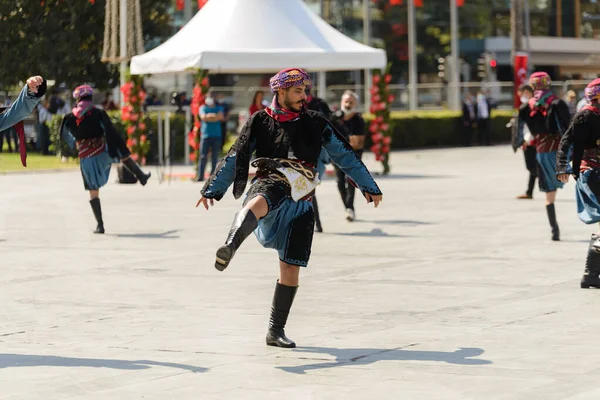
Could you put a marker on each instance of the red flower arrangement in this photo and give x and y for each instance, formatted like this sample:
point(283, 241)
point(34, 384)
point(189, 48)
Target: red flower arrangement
point(199, 95)
point(132, 115)
point(381, 127)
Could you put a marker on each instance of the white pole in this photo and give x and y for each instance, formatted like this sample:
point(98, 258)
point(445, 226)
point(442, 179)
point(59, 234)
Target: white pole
point(188, 128)
point(455, 77)
point(367, 40)
point(123, 42)
point(161, 152)
point(322, 85)
point(168, 140)
point(412, 57)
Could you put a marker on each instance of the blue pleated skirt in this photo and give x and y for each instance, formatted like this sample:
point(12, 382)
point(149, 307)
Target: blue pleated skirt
point(96, 170)
point(588, 207)
point(288, 227)
point(548, 182)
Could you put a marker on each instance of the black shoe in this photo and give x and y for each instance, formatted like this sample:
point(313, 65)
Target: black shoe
point(97, 209)
point(244, 224)
point(553, 224)
point(136, 171)
point(591, 273)
point(280, 309)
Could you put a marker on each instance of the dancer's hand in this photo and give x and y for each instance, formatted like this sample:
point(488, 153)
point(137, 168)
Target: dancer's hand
point(34, 82)
point(204, 201)
point(564, 178)
point(374, 198)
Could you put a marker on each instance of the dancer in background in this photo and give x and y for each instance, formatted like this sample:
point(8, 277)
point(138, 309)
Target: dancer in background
point(13, 116)
point(548, 118)
point(89, 131)
point(583, 138)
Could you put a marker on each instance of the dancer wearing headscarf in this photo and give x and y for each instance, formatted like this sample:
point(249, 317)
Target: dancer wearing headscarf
point(13, 116)
point(287, 139)
point(89, 131)
point(581, 145)
point(547, 118)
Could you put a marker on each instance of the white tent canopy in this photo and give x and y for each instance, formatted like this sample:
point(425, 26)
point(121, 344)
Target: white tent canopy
point(257, 36)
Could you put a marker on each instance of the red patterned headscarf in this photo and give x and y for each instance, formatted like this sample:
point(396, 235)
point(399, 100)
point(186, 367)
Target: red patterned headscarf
point(82, 91)
point(289, 78)
point(542, 96)
point(592, 91)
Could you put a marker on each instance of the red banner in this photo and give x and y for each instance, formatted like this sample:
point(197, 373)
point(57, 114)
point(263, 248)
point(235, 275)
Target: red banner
point(520, 73)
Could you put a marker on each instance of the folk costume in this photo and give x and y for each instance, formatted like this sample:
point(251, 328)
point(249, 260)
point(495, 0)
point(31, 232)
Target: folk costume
point(581, 145)
point(89, 131)
point(548, 118)
point(13, 116)
point(287, 146)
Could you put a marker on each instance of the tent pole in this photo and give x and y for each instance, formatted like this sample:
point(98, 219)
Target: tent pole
point(322, 80)
point(123, 43)
point(412, 57)
point(367, 40)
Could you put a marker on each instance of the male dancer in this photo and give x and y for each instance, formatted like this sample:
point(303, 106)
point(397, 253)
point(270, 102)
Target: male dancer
point(547, 117)
point(583, 137)
point(23, 106)
point(88, 129)
point(287, 140)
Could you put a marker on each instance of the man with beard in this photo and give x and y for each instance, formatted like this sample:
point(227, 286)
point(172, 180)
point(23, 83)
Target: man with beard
point(352, 125)
point(287, 140)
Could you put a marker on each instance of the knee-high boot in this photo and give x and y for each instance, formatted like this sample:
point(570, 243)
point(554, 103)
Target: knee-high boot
point(591, 275)
point(95, 203)
point(135, 170)
point(244, 224)
point(318, 226)
point(552, 219)
point(280, 309)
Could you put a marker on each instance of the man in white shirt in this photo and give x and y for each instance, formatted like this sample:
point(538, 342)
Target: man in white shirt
point(483, 113)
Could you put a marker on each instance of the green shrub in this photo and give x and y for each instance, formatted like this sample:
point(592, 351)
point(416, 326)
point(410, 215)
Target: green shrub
point(417, 129)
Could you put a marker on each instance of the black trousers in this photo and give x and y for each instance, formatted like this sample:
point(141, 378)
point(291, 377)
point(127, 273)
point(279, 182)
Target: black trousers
point(531, 164)
point(484, 132)
point(345, 188)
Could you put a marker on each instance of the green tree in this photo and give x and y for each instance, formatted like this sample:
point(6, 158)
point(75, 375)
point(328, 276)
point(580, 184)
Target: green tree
point(62, 39)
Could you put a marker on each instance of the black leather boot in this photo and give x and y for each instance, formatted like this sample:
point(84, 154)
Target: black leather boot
point(552, 219)
point(591, 274)
point(280, 309)
point(244, 224)
point(135, 170)
point(318, 227)
point(95, 203)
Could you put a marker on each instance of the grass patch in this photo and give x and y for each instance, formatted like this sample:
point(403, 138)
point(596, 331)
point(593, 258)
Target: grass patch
point(11, 162)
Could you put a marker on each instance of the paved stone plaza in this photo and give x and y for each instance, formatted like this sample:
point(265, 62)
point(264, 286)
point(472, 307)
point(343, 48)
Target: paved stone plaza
point(451, 289)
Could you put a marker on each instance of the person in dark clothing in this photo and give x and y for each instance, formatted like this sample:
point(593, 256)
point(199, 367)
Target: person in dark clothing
point(317, 104)
point(468, 119)
point(583, 140)
point(89, 131)
point(287, 140)
point(548, 118)
point(525, 92)
point(352, 125)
